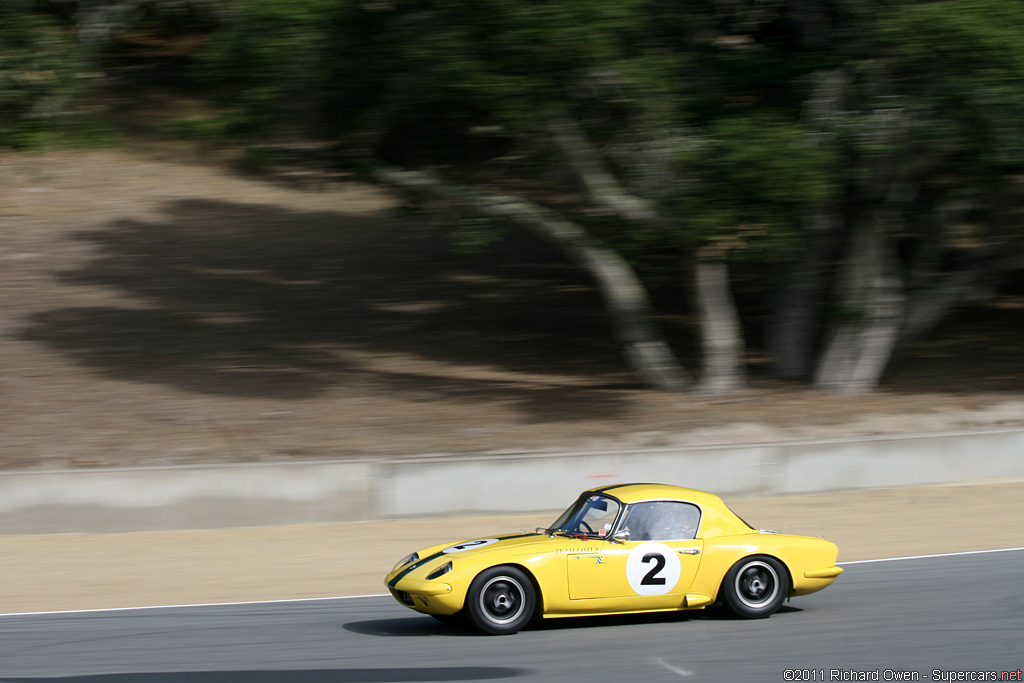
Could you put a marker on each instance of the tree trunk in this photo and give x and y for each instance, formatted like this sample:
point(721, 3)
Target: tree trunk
point(721, 336)
point(625, 297)
point(930, 306)
point(794, 328)
point(927, 308)
point(97, 20)
point(866, 335)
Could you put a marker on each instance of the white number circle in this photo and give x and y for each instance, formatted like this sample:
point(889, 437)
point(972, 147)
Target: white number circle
point(652, 569)
point(470, 545)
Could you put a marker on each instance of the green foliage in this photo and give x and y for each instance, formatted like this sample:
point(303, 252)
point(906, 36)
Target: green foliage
point(421, 73)
point(395, 69)
point(256, 161)
point(758, 173)
point(711, 109)
point(962, 63)
point(267, 59)
point(469, 234)
point(210, 131)
point(43, 75)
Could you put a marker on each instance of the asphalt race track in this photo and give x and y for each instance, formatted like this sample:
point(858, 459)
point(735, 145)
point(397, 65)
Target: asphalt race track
point(961, 613)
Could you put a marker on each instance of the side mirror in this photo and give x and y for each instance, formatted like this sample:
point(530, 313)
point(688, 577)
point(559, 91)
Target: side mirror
point(620, 536)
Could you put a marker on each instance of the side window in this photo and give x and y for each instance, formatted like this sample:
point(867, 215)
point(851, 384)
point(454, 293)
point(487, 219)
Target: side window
point(662, 521)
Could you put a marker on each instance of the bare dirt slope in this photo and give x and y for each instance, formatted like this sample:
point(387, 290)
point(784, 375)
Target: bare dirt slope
point(160, 311)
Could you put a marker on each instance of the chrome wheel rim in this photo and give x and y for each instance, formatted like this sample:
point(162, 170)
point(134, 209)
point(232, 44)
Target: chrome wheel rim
point(757, 584)
point(502, 599)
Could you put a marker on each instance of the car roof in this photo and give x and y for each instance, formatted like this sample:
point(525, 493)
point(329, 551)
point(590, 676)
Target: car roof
point(634, 493)
point(716, 517)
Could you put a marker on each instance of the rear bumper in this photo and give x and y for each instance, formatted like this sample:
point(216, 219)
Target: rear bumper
point(813, 580)
point(827, 573)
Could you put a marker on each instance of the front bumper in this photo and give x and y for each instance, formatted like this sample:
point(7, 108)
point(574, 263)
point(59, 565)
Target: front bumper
point(429, 597)
point(428, 588)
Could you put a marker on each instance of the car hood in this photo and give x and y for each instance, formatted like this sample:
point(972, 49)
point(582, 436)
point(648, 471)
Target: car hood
point(484, 544)
point(524, 542)
point(508, 542)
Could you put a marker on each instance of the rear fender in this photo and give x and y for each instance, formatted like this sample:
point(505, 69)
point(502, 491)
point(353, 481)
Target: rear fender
point(798, 554)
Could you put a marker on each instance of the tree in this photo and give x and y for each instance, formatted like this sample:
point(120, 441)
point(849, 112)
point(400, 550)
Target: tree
point(927, 109)
point(856, 157)
point(43, 74)
point(602, 89)
point(97, 22)
point(455, 67)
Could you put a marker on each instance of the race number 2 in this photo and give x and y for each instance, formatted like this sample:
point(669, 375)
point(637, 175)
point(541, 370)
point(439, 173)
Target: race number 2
point(652, 569)
point(469, 545)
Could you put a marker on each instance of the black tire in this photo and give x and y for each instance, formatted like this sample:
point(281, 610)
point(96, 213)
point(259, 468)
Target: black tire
point(755, 587)
point(500, 600)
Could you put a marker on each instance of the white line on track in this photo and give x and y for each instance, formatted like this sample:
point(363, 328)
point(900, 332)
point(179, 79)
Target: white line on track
point(682, 673)
point(925, 557)
point(384, 595)
point(198, 604)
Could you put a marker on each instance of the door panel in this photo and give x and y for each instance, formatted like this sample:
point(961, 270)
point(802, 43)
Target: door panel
point(634, 569)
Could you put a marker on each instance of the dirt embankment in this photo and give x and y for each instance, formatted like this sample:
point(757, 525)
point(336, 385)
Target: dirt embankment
point(161, 311)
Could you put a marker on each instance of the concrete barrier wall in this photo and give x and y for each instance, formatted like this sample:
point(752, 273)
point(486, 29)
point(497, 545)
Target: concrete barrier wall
point(216, 496)
point(202, 497)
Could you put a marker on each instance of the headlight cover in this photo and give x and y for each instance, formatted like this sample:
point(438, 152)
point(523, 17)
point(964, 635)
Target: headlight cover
point(411, 557)
point(440, 571)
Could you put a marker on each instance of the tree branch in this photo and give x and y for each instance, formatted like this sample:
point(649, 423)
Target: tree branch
point(926, 309)
point(602, 188)
point(625, 296)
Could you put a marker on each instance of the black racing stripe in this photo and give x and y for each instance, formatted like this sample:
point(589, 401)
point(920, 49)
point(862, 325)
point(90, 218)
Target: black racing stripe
point(412, 567)
point(511, 536)
point(625, 485)
point(622, 486)
point(419, 563)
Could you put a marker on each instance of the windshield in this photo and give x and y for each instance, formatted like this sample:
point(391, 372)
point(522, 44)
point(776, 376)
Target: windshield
point(593, 515)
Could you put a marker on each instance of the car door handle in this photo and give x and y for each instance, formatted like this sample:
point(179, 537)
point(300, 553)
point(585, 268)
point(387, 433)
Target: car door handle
point(689, 551)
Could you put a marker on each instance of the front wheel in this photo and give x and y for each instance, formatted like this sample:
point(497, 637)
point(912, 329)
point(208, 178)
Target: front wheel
point(755, 587)
point(500, 600)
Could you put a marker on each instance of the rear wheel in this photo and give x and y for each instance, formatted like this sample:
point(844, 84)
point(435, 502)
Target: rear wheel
point(500, 600)
point(755, 587)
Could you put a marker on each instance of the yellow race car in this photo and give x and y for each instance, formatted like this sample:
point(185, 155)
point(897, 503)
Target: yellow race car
point(617, 549)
